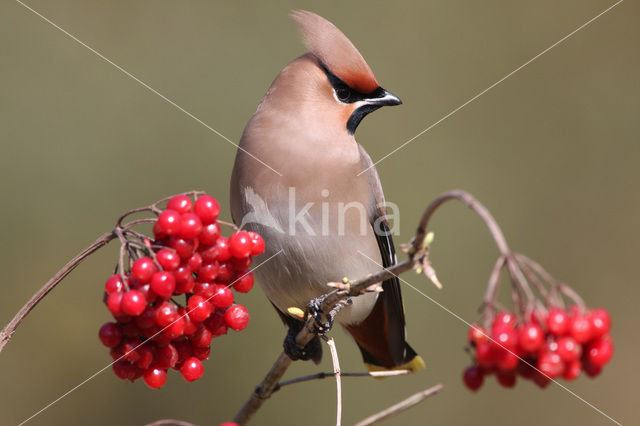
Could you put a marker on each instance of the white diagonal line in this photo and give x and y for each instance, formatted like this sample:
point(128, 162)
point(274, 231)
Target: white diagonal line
point(146, 86)
point(493, 85)
point(109, 365)
point(497, 343)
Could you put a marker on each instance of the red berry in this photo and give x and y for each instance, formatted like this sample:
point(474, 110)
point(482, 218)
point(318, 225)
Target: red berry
point(572, 370)
point(257, 243)
point(476, 335)
point(222, 296)
point(207, 209)
point(184, 248)
point(202, 353)
point(145, 319)
point(110, 334)
point(209, 253)
point(580, 328)
point(175, 329)
point(130, 330)
point(146, 356)
point(166, 313)
point(184, 348)
point(166, 356)
point(195, 261)
point(210, 233)
point(190, 226)
point(169, 222)
point(168, 259)
point(155, 377)
point(240, 244)
point(190, 326)
point(558, 322)
point(530, 337)
point(241, 263)
point(180, 203)
point(504, 318)
point(208, 272)
point(223, 249)
point(184, 279)
point(130, 349)
point(551, 364)
point(114, 284)
point(114, 303)
point(133, 303)
point(163, 283)
point(506, 361)
point(123, 369)
point(568, 349)
point(226, 272)
point(473, 377)
point(504, 339)
point(541, 380)
point(199, 308)
point(145, 290)
point(142, 269)
point(201, 338)
point(600, 322)
point(216, 324)
point(192, 369)
point(245, 283)
point(205, 290)
point(484, 354)
point(506, 378)
point(525, 369)
point(599, 352)
point(158, 234)
point(237, 317)
point(592, 370)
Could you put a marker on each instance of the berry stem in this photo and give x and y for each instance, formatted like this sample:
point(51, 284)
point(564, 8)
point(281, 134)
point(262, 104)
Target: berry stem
point(9, 329)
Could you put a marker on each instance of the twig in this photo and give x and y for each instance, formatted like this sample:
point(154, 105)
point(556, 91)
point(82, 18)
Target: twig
point(324, 375)
point(171, 422)
point(9, 329)
point(400, 406)
point(336, 372)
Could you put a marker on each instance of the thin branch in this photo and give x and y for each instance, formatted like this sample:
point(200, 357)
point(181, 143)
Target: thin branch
point(170, 422)
point(324, 375)
point(400, 406)
point(336, 372)
point(9, 329)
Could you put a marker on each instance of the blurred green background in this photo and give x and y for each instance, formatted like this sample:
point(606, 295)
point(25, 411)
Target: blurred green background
point(553, 152)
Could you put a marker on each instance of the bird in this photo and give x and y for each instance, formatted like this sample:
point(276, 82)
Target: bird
point(297, 181)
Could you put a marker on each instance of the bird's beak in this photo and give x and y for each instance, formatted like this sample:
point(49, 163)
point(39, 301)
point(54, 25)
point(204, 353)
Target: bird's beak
point(385, 98)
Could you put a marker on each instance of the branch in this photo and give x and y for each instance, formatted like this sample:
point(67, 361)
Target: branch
point(418, 258)
point(171, 422)
point(324, 375)
point(400, 406)
point(336, 372)
point(9, 329)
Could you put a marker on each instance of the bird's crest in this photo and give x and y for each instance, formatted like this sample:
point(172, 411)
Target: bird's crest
point(327, 43)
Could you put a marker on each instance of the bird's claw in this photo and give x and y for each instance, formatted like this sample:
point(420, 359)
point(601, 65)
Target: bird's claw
point(313, 349)
point(315, 311)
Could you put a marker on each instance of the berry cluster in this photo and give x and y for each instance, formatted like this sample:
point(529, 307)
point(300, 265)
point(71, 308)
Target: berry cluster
point(557, 342)
point(189, 259)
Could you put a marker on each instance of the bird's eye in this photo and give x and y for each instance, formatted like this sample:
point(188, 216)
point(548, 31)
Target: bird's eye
point(343, 93)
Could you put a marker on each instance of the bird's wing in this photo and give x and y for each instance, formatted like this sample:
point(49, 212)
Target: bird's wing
point(391, 296)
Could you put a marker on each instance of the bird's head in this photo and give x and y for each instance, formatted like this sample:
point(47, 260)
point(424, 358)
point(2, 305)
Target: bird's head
point(338, 81)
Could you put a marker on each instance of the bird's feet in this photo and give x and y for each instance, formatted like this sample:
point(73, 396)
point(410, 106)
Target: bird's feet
point(315, 311)
point(313, 349)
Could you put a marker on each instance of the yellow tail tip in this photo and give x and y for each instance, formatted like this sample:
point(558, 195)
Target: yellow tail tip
point(415, 365)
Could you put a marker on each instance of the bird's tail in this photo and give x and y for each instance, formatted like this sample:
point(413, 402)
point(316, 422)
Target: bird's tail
point(383, 345)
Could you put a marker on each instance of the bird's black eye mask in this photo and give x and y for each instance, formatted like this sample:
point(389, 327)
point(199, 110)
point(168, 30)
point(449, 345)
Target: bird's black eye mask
point(348, 95)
